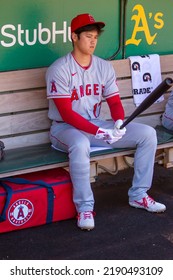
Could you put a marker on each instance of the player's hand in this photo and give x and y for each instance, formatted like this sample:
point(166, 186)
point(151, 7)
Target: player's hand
point(107, 135)
point(117, 131)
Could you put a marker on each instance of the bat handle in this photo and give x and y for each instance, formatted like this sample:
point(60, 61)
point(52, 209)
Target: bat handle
point(123, 125)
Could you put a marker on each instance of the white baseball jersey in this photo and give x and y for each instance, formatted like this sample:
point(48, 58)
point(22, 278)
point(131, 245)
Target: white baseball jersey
point(86, 87)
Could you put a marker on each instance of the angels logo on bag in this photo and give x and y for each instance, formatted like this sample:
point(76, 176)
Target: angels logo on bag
point(20, 212)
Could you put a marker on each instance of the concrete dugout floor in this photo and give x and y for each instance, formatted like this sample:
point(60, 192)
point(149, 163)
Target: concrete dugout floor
point(121, 233)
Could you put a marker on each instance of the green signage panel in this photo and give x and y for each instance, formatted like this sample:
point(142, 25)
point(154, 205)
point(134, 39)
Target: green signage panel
point(34, 33)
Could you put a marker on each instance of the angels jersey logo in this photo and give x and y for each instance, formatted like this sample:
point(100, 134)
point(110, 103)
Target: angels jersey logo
point(20, 212)
point(53, 87)
point(97, 108)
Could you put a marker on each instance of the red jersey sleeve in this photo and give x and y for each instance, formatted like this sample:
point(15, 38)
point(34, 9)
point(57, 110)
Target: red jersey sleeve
point(116, 108)
point(71, 117)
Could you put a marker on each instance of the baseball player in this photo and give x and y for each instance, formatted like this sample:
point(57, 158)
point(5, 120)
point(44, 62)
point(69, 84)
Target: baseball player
point(167, 117)
point(76, 85)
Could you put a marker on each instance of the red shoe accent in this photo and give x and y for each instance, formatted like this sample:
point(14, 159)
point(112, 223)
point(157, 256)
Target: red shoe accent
point(144, 202)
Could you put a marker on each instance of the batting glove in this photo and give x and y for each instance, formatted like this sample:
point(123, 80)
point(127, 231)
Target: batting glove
point(107, 135)
point(117, 131)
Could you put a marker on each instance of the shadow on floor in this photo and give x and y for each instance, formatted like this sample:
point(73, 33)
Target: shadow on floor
point(121, 232)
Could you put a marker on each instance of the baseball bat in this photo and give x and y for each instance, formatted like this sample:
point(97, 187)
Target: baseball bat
point(150, 99)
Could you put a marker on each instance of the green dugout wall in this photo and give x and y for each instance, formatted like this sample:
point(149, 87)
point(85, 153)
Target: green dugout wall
point(33, 33)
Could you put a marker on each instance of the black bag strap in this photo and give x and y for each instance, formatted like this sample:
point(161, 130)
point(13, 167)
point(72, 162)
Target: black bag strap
point(23, 181)
point(9, 193)
point(2, 147)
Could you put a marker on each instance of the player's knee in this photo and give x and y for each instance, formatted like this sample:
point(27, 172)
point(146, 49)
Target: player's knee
point(80, 150)
point(150, 135)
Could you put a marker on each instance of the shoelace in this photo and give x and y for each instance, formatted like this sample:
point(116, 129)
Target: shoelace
point(86, 215)
point(151, 200)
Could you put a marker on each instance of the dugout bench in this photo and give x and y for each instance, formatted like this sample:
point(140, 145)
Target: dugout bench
point(24, 125)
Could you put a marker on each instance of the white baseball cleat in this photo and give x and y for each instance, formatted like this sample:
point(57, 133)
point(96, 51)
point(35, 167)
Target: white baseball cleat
point(86, 220)
point(148, 204)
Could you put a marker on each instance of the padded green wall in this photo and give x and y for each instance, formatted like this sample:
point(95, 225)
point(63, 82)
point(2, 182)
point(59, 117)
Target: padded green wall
point(34, 33)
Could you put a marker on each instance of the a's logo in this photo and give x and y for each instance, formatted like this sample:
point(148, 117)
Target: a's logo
point(136, 66)
point(20, 212)
point(147, 77)
point(141, 25)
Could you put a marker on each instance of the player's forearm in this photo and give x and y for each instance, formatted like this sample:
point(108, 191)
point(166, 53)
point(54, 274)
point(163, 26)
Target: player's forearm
point(80, 123)
point(116, 108)
point(71, 117)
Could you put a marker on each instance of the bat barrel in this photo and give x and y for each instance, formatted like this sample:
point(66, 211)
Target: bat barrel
point(150, 99)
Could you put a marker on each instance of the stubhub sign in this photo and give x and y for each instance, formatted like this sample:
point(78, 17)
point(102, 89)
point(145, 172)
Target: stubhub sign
point(12, 35)
point(35, 33)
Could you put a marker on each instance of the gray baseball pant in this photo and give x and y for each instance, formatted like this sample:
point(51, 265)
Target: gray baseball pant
point(77, 144)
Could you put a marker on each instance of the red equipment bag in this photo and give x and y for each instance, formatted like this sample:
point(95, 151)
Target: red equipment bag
point(35, 199)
